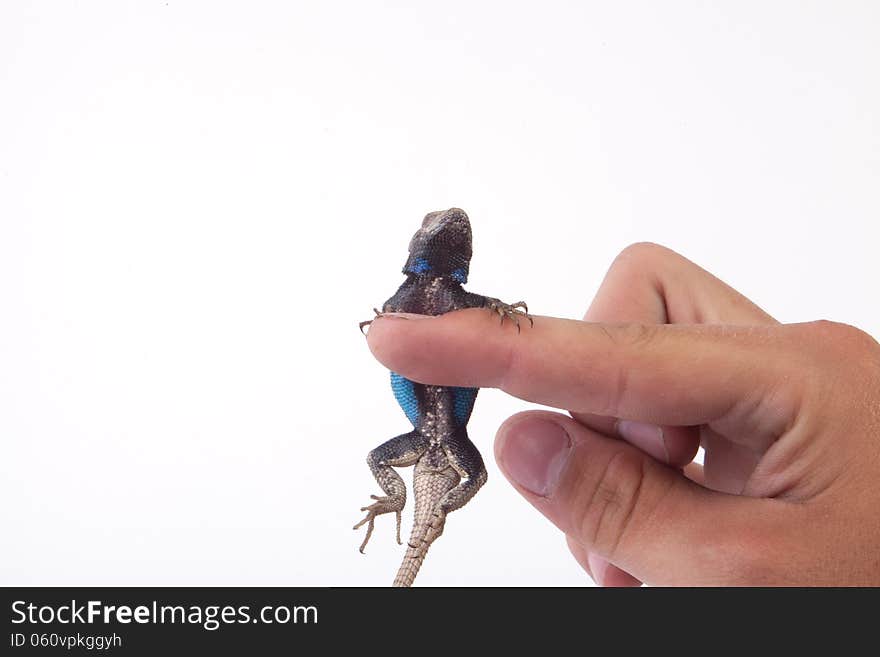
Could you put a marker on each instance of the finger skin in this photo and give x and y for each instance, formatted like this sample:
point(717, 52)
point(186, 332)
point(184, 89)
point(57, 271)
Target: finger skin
point(679, 444)
point(580, 555)
point(602, 572)
point(667, 374)
point(609, 575)
point(650, 283)
point(649, 520)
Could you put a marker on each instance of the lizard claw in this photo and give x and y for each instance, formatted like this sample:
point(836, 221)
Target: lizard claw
point(361, 325)
point(387, 504)
point(512, 311)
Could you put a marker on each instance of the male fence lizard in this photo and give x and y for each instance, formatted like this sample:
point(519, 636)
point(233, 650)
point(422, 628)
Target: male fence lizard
point(448, 468)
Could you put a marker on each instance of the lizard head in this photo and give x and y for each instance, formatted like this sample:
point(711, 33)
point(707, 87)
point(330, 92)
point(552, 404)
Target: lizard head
point(442, 246)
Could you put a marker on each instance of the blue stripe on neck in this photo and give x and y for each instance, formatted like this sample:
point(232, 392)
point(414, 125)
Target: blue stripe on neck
point(420, 266)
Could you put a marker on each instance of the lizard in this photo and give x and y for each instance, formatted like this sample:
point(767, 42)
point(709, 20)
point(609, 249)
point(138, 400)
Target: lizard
point(449, 469)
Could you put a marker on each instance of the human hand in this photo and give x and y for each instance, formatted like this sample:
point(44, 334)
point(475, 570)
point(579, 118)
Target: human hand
point(669, 358)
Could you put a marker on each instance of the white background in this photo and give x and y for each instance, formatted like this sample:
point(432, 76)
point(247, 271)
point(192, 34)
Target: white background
point(199, 201)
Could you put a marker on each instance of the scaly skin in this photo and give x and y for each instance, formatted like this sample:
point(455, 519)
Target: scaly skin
point(448, 468)
point(433, 478)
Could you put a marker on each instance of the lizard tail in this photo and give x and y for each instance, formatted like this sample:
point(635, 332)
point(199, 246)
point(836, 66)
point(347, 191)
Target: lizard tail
point(412, 561)
point(429, 486)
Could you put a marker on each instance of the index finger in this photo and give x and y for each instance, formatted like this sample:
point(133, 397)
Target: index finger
point(664, 374)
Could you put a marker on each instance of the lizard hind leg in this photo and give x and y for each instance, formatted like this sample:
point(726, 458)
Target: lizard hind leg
point(433, 478)
point(465, 458)
point(445, 479)
point(402, 451)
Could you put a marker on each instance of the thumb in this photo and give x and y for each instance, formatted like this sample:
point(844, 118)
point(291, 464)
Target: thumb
point(638, 514)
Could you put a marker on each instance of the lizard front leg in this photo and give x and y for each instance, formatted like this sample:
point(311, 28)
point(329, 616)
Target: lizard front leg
point(367, 322)
point(511, 311)
point(402, 451)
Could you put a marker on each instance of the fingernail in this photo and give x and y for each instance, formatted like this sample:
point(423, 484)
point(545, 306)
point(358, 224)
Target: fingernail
point(647, 437)
point(533, 453)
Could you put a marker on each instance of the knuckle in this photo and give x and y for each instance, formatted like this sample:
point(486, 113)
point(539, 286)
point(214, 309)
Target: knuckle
point(856, 339)
point(827, 332)
point(641, 252)
point(634, 260)
point(838, 345)
point(639, 259)
point(611, 506)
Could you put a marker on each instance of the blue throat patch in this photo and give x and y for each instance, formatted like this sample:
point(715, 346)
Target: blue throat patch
point(420, 266)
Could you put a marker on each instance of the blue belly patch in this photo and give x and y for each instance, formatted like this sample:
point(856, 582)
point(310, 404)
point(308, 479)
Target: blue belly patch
point(405, 394)
point(463, 403)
